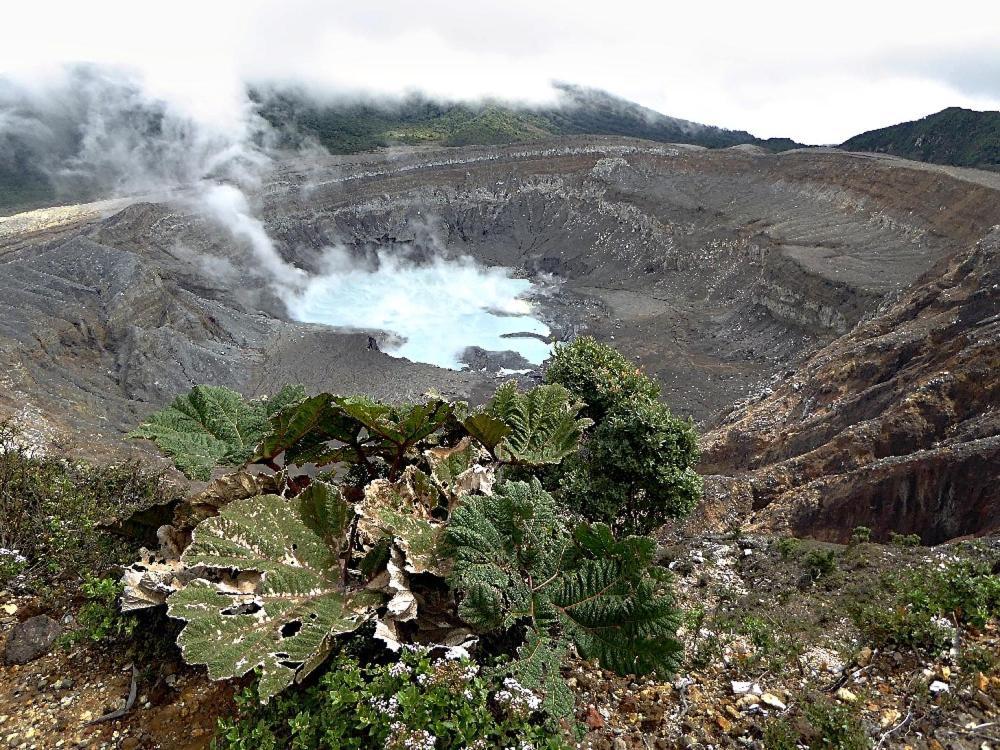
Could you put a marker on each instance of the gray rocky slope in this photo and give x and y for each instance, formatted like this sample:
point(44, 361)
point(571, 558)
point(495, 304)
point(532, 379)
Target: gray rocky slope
point(716, 270)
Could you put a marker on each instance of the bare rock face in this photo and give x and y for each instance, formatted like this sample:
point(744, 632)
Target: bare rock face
point(31, 639)
point(894, 426)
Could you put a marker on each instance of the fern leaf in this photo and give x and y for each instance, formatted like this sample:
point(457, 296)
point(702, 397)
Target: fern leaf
point(538, 668)
point(542, 424)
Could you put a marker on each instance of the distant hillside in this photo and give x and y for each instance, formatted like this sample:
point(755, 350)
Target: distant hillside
point(353, 126)
point(961, 137)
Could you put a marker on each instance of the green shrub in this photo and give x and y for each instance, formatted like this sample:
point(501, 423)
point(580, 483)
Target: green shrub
point(425, 534)
point(788, 546)
point(925, 602)
point(416, 702)
point(904, 540)
point(821, 724)
point(100, 618)
point(636, 468)
point(820, 563)
point(51, 510)
point(599, 375)
point(861, 535)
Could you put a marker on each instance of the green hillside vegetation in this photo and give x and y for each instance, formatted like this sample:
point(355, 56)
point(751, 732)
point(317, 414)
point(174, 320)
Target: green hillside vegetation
point(345, 127)
point(956, 136)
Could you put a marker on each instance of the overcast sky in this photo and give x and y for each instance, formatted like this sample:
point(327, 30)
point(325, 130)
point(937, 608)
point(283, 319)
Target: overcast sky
point(816, 72)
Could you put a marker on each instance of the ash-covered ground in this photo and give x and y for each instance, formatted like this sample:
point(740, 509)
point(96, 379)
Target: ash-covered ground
point(716, 270)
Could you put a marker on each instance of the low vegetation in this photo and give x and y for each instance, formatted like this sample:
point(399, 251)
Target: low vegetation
point(925, 605)
point(53, 509)
point(431, 521)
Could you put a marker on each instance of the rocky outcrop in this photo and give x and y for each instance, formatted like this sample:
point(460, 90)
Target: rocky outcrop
point(894, 426)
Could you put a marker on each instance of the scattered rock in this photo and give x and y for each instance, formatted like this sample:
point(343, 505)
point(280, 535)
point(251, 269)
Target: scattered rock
point(845, 695)
point(31, 639)
point(769, 699)
point(937, 687)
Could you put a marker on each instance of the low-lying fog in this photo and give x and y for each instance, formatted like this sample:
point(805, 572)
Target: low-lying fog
point(435, 309)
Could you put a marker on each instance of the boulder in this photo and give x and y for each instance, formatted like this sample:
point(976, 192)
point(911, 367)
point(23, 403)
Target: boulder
point(31, 639)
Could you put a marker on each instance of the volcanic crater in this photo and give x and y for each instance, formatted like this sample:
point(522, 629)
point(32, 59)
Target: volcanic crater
point(727, 274)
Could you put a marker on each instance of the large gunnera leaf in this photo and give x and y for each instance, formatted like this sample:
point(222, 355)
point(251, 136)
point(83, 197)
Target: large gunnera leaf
point(542, 424)
point(213, 426)
point(299, 602)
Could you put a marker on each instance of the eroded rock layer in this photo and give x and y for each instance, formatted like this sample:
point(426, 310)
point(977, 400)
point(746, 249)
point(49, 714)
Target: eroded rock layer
point(894, 426)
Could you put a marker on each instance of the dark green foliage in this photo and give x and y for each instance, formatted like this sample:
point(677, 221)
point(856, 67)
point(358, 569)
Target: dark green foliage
point(316, 556)
point(353, 126)
point(52, 509)
point(515, 562)
point(904, 540)
point(598, 375)
point(861, 535)
point(100, 619)
point(962, 137)
point(361, 707)
point(820, 563)
point(636, 468)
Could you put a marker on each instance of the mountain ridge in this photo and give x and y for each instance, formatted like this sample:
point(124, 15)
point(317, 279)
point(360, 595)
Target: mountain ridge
point(954, 136)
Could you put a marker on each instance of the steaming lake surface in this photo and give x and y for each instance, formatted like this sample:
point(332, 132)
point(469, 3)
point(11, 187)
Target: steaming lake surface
point(437, 309)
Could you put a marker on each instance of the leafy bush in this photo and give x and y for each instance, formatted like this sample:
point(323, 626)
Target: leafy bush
point(904, 540)
point(402, 515)
point(636, 467)
point(599, 375)
point(416, 702)
point(100, 619)
point(52, 510)
point(926, 602)
point(788, 546)
point(820, 563)
point(861, 535)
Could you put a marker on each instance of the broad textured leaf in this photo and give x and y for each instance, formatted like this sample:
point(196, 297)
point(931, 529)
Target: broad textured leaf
point(212, 426)
point(298, 603)
point(403, 511)
point(325, 512)
point(456, 471)
point(222, 491)
point(543, 424)
point(486, 428)
point(398, 425)
point(303, 430)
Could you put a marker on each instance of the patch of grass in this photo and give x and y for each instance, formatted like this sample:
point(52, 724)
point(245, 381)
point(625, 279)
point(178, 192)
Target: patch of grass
point(775, 646)
point(52, 508)
point(923, 604)
point(821, 724)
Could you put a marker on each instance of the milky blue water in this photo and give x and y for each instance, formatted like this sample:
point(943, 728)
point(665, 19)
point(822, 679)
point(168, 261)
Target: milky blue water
point(436, 309)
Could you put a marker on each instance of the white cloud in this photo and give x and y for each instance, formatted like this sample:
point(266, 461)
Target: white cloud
point(816, 72)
